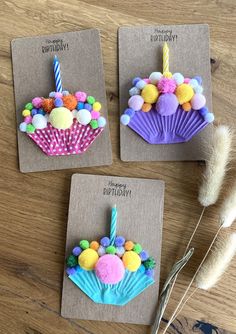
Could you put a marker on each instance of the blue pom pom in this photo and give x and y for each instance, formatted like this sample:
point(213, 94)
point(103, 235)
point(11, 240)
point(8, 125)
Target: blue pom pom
point(130, 112)
point(52, 94)
point(101, 122)
point(193, 83)
point(70, 271)
point(34, 112)
point(199, 79)
point(76, 251)
point(88, 106)
point(140, 84)
point(58, 103)
point(41, 111)
point(144, 255)
point(119, 241)
point(203, 111)
point(142, 269)
point(209, 117)
point(134, 91)
point(23, 126)
point(105, 241)
point(65, 93)
point(149, 273)
point(179, 78)
point(80, 105)
point(125, 119)
point(135, 80)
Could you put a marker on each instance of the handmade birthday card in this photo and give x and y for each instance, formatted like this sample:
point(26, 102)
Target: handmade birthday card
point(165, 92)
point(60, 99)
point(113, 249)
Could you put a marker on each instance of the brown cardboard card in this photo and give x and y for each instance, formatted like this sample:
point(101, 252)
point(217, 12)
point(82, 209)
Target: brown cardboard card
point(81, 65)
point(140, 208)
point(140, 54)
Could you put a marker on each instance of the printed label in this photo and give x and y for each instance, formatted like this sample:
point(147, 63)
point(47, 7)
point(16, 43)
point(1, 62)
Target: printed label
point(117, 189)
point(54, 45)
point(163, 36)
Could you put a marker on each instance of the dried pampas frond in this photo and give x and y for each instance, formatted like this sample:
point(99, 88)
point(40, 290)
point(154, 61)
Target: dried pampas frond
point(217, 261)
point(228, 209)
point(216, 166)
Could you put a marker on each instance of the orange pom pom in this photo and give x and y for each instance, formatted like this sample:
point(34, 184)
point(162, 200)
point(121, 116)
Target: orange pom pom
point(146, 107)
point(48, 105)
point(69, 101)
point(186, 106)
point(94, 245)
point(129, 245)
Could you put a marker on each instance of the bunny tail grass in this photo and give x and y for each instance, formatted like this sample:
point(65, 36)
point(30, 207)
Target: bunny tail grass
point(228, 208)
point(216, 166)
point(217, 261)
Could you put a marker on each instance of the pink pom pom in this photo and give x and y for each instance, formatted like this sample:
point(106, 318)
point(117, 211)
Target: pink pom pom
point(81, 96)
point(148, 81)
point(166, 85)
point(58, 95)
point(95, 114)
point(37, 102)
point(110, 269)
point(28, 119)
point(198, 101)
point(136, 102)
point(187, 80)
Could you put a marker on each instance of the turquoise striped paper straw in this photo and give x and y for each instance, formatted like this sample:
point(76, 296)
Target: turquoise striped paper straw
point(57, 74)
point(113, 225)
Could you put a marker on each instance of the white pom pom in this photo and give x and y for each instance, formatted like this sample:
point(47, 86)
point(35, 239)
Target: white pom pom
point(83, 116)
point(39, 121)
point(178, 77)
point(74, 113)
point(155, 77)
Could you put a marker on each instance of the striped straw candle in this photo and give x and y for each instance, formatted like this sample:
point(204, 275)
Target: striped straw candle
point(165, 58)
point(57, 74)
point(113, 225)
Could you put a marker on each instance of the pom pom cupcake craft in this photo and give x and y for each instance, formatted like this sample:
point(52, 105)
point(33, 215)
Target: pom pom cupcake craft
point(166, 108)
point(63, 123)
point(112, 270)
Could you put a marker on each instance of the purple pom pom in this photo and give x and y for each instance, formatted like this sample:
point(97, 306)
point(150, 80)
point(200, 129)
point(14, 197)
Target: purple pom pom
point(34, 112)
point(135, 80)
point(88, 106)
point(105, 241)
point(119, 241)
point(167, 104)
point(144, 255)
point(149, 273)
point(70, 271)
point(76, 251)
point(130, 112)
point(203, 111)
point(58, 102)
point(199, 79)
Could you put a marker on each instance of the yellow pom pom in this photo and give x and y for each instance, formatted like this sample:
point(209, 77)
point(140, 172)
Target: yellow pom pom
point(94, 245)
point(150, 93)
point(97, 106)
point(186, 106)
point(167, 75)
point(61, 118)
point(88, 259)
point(131, 260)
point(146, 107)
point(26, 113)
point(184, 93)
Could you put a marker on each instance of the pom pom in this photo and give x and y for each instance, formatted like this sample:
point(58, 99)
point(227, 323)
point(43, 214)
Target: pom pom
point(130, 112)
point(80, 105)
point(26, 113)
point(81, 96)
point(149, 273)
point(184, 93)
point(120, 251)
point(65, 92)
point(23, 126)
point(135, 102)
point(167, 75)
point(146, 107)
point(71, 261)
point(48, 105)
point(203, 111)
point(149, 94)
point(88, 106)
point(144, 255)
point(166, 85)
point(61, 118)
point(209, 117)
point(95, 114)
point(70, 271)
point(69, 101)
point(109, 269)
point(76, 251)
point(193, 83)
point(84, 116)
point(140, 84)
point(137, 248)
point(28, 119)
point(135, 80)
point(125, 119)
point(129, 245)
point(101, 251)
point(198, 89)
point(147, 80)
point(187, 80)
point(131, 261)
point(186, 106)
point(198, 101)
point(134, 91)
point(94, 124)
point(91, 100)
point(58, 95)
point(84, 244)
point(94, 245)
point(58, 102)
point(149, 263)
point(119, 241)
point(105, 241)
point(34, 112)
point(88, 259)
point(179, 78)
point(97, 106)
point(39, 121)
point(111, 250)
point(155, 77)
point(37, 102)
point(167, 104)
point(52, 94)
point(29, 106)
point(41, 111)
point(74, 113)
point(199, 79)
point(102, 122)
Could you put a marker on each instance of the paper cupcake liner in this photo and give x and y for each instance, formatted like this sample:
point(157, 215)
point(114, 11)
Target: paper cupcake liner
point(121, 293)
point(75, 140)
point(177, 128)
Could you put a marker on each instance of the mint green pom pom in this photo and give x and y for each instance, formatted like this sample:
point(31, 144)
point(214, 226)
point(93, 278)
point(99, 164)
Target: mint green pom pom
point(84, 244)
point(137, 248)
point(29, 106)
point(150, 263)
point(91, 99)
point(30, 128)
point(72, 261)
point(111, 250)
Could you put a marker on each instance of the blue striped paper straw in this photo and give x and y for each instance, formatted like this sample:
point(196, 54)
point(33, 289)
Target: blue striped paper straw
point(113, 225)
point(57, 74)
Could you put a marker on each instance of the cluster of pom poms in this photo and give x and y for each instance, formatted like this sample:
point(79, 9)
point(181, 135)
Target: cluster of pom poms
point(61, 110)
point(110, 261)
point(164, 93)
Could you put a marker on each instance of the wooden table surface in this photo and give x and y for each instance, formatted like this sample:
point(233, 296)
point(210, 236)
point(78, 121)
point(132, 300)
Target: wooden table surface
point(34, 206)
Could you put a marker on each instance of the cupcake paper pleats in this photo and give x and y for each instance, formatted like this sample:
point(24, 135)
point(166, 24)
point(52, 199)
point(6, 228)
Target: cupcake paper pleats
point(111, 271)
point(63, 123)
point(167, 108)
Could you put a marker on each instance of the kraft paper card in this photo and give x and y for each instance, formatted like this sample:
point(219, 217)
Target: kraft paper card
point(139, 205)
point(81, 66)
point(140, 54)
